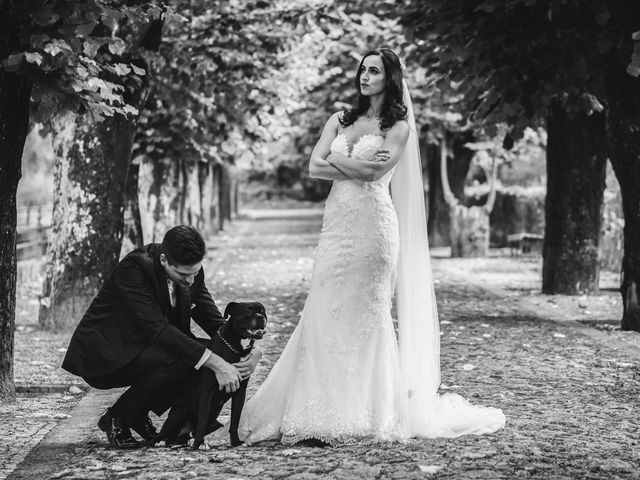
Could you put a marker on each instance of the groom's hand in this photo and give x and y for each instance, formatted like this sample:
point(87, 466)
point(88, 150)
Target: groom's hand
point(248, 364)
point(227, 375)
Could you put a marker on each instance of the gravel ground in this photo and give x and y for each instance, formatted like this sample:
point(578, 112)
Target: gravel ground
point(570, 400)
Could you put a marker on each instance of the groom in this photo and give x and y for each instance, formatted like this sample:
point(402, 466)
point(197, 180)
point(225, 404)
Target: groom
point(137, 333)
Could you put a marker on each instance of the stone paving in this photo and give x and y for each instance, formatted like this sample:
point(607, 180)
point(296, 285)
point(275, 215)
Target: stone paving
point(570, 398)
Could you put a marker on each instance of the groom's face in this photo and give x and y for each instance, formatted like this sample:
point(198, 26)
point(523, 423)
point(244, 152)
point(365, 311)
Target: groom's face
point(180, 274)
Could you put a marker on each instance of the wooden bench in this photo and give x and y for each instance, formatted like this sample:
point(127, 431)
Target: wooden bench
point(31, 242)
point(524, 242)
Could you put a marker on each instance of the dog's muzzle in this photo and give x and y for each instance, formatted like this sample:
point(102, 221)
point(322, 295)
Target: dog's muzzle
point(255, 334)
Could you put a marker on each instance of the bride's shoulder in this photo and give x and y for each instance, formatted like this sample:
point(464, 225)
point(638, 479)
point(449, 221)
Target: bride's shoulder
point(337, 116)
point(400, 128)
point(335, 120)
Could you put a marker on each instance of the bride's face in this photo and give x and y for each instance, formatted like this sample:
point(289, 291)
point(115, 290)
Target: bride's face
point(373, 77)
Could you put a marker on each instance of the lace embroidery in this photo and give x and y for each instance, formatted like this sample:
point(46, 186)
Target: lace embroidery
point(338, 379)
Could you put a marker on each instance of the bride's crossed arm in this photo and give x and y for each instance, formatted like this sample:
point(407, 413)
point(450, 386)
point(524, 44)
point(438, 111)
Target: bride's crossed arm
point(318, 165)
point(335, 166)
point(387, 156)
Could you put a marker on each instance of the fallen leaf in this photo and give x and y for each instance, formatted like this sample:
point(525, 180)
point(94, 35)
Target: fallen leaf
point(559, 335)
point(61, 474)
point(467, 366)
point(624, 364)
point(430, 469)
point(289, 451)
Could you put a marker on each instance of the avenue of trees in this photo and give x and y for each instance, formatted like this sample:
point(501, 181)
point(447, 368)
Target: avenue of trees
point(155, 107)
point(568, 66)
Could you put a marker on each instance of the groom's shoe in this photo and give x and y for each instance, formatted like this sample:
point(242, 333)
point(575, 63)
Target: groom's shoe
point(117, 432)
point(144, 427)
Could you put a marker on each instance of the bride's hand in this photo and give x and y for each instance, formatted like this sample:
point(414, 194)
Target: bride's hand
point(382, 155)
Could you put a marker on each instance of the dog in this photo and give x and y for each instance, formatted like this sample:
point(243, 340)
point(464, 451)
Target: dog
point(196, 408)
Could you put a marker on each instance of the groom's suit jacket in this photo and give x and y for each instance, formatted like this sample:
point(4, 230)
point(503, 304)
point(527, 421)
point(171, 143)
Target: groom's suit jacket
point(132, 310)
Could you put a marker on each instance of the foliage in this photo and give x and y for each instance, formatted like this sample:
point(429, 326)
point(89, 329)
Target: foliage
point(218, 79)
point(71, 52)
point(507, 59)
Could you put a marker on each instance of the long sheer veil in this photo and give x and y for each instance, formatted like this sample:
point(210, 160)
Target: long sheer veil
point(428, 414)
point(418, 327)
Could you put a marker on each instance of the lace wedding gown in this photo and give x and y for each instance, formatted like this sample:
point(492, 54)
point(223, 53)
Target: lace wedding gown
point(338, 378)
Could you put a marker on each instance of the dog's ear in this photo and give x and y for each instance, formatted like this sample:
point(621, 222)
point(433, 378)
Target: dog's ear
point(230, 308)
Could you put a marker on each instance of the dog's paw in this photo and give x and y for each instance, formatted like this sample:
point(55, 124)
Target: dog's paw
point(201, 446)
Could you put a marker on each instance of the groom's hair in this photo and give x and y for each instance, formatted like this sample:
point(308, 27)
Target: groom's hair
point(183, 245)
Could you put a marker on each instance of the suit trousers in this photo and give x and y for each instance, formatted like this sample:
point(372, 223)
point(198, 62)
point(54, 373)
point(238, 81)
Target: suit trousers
point(154, 378)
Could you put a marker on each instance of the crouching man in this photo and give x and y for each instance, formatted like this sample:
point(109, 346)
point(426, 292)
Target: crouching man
point(137, 333)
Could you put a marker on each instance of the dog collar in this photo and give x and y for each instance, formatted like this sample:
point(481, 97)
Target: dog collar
point(243, 352)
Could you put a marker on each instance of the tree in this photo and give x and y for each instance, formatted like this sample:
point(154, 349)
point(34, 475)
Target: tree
point(623, 124)
point(14, 119)
point(576, 169)
point(212, 108)
point(511, 61)
point(469, 229)
point(91, 171)
point(48, 52)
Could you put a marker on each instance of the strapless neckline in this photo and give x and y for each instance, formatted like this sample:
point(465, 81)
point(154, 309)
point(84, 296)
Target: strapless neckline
point(351, 147)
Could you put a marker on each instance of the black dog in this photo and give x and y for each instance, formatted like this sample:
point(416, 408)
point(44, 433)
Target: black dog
point(200, 401)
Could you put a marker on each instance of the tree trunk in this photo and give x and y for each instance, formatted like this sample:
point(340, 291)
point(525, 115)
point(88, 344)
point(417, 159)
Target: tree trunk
point(576, 169)
point(193, 199)
point(226, 192)
point(86, 234)
point(623, 127)
point(469, 231)
point(439, 221)
point(133, 237)
point(161, 192)
point(208, 198)
point(15, 92)
point(216, 196)
point(468, 226)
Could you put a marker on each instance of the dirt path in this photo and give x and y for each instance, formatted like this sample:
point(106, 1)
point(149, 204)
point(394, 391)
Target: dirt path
point(570, 399)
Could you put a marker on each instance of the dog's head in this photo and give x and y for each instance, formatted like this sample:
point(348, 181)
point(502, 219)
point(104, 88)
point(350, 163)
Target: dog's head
point(249, 319)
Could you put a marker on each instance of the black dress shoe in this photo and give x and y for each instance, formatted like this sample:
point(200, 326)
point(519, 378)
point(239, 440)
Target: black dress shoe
point(117, 432)
point(145, 428)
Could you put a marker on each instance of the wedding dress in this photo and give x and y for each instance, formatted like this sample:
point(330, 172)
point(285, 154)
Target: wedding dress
point(339, 377)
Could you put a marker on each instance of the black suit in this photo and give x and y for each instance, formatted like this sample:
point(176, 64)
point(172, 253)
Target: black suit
point(130, 335)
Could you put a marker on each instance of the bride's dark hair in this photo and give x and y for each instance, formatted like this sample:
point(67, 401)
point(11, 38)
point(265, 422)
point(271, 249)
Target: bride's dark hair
point(392, 109)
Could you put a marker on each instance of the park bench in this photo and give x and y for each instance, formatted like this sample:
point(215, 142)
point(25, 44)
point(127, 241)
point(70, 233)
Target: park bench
point(31, 242)
point(34, 222)
point(525, 242)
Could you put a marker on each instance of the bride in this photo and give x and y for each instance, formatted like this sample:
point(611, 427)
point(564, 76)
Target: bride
point(342, 376)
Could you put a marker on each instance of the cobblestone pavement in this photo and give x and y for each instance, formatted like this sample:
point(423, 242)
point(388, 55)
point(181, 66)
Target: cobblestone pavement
point(570, 398)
